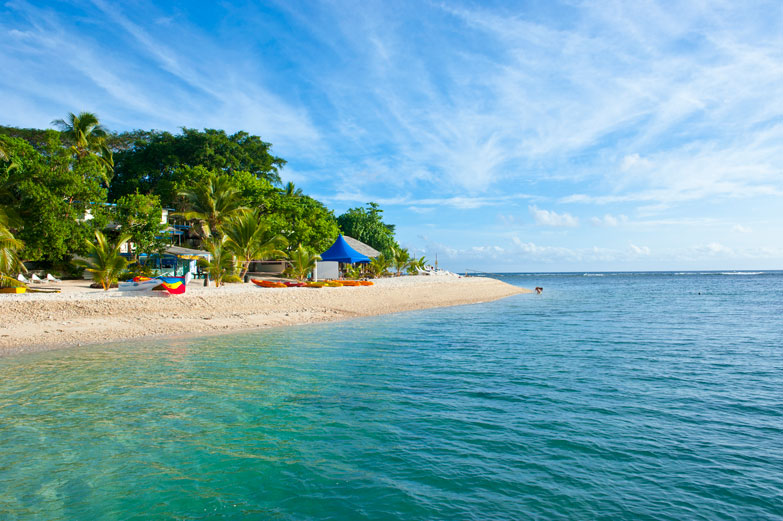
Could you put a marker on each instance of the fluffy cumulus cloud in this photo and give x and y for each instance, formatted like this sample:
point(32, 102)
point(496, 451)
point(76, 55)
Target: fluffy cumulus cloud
point(551, 218)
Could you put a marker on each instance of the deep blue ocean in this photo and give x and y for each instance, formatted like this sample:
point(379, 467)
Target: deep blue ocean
point(617, 396)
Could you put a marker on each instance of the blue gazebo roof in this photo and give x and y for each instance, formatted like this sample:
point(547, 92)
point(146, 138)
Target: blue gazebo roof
point(342, 252)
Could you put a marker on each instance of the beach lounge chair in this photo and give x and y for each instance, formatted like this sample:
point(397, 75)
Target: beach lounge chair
point(50, 278)
point(35, 278)
point(23, 279)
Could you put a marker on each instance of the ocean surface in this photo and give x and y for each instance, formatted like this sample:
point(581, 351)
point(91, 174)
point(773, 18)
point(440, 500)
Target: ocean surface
point(617, 396)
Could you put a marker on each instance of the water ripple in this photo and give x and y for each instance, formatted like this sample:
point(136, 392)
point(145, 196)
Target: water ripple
point(627, 396)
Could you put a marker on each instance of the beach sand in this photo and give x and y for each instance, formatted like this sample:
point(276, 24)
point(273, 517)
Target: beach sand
point(81, 315)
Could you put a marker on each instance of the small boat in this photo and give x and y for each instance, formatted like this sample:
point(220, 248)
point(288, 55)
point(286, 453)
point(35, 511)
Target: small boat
point(294, 284)
point(268, 283)
point(350, 283)
point(173, 285)
point(366, 282)
point(20, 289)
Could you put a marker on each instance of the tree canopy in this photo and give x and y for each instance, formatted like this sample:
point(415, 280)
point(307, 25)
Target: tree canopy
point(59, 200)
point(155, 159)
point(366, 225)
point(57, 190)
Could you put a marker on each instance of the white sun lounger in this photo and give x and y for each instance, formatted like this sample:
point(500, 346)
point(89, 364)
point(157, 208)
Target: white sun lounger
point(35, 278)
point(50, 278)
point(22, 278)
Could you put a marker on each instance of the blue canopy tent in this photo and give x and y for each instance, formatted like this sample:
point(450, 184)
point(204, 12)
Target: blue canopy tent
point(342, 252)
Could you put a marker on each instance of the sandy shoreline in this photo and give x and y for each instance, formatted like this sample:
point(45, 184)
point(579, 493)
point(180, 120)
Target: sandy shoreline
point(80, 315)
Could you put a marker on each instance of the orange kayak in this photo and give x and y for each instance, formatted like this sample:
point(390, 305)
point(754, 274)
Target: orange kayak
point(268, 283)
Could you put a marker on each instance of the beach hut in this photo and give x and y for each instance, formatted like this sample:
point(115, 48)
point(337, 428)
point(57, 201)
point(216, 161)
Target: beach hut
point(339, 252)
point(175, 261)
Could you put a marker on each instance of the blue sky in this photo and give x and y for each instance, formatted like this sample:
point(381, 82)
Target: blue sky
point(512, 136)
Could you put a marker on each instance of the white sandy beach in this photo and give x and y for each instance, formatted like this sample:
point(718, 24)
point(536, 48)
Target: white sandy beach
point(81, 315)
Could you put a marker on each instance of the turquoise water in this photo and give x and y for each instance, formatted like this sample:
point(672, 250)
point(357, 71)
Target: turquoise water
point(621, 396)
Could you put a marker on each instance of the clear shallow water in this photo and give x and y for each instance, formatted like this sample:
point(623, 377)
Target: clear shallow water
point(622, 396)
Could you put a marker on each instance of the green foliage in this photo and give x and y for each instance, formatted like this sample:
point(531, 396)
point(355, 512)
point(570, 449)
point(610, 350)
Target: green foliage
point(139, 215)
point(10, 264)
point(51, 193)
point(354, 271)
point(211, 203)
point(37, 138)
point(53, 178)
point(222, 261)
point(416, 264)
point(250, 238)
point(139, 270)
point(400, 260)
point(379, 266)
point(154, 158)
point(87, 136)
point(302, 220)
point(366, 225)
point(104, 260)
point(302, 262)
point(231, 279)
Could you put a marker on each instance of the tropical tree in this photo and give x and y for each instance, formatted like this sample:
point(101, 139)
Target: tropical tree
point(9, 258)
point(366, 225)
point(222, 261)
point(290, 190)
point(88, 136)
point(212, 203)
point(104, 260)
point(400, 259)
point(56, 200)
point(302, 220)
point(250, 238)
point(302, 262)
point(139, 215)
point(379, 265)
point(416, 264)
point(354, 271)
point(150, 161)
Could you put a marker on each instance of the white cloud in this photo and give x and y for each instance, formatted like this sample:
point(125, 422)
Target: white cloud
point(713, 248)
point(633, 162)
point(639, 250)
point(741, 229)
point(609, 220)
point(551, 218)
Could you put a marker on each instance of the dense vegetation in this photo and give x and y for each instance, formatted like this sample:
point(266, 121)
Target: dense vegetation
point(59, 187)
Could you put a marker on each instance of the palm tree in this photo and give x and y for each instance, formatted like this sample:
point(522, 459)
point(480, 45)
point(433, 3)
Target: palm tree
point(84, 130)
point(290, 190)
point(416, 264)
point(379, 265)
point(9, 257)
point(249, 237)
point(212, 202)
point(302, 262)
point(88, 136)
point(400, 259)
point(222, 261)
point(104, 260)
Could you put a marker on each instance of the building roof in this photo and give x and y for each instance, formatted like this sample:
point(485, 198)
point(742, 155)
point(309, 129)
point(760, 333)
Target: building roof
point(362, 248)
point(179, 251)
point(341, 251)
